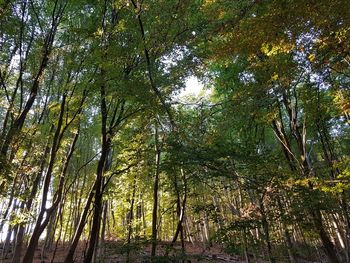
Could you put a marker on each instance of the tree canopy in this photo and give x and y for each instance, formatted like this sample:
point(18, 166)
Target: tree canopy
point(100, 151)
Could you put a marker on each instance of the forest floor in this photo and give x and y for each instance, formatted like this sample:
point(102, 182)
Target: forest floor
point(116, 252)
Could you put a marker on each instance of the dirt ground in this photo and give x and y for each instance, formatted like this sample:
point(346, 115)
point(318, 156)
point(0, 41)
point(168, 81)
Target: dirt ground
point(116, 252)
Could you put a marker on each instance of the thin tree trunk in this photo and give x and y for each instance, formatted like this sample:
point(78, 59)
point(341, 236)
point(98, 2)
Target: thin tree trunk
point(286, 234)
point(59, 221)
point(80, 227)
point(103, 232)
point(130, 219)
point(180, 210)
point(155, 194)
point(265, 226)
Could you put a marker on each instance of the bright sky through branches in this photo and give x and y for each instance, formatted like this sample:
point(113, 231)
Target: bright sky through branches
point(193, 86)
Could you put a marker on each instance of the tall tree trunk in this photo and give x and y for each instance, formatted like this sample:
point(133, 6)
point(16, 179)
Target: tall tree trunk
point(180, 211)
point(327, 243)
point(28, 206)
point(10, 231)
point(95, 228)
point(59, 222)
point(103, 232)
point(286, 235)
point(265, 226)
point(130, 219)
point(41, 223)
point(155, 194)
point(80, 227)
point(105, 150)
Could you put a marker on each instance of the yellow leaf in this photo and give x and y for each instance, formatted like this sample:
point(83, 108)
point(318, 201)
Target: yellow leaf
point(312, 57)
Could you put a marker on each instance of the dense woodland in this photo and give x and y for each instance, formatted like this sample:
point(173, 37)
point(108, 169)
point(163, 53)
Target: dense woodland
point(99, 151)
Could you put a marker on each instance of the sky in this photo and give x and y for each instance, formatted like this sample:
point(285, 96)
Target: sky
point(193, 87)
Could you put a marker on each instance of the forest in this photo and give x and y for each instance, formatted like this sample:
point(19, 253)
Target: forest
point(107, 155)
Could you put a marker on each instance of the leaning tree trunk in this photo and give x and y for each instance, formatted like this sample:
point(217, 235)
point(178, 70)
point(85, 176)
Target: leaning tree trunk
point(41, 223)
point(327, 243)
point(21, 231)
point(80, 227)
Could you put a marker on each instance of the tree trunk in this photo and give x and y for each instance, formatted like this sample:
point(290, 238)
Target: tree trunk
point(155, 194)
point(265, 226)
point(306, 168)
point(80, 227)
point(41, 223)
point(105, 150)
point(180, 210)
point(327, 243)
point(103, 232)
point(130, 219)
